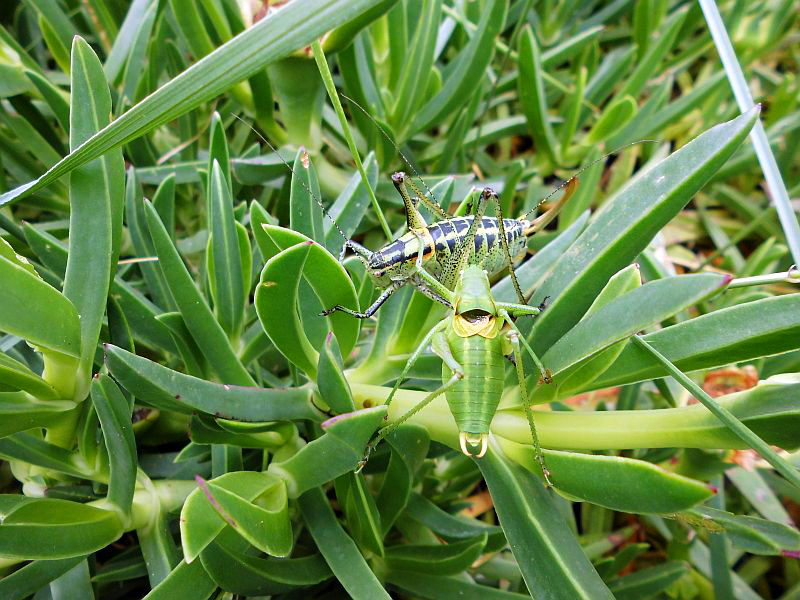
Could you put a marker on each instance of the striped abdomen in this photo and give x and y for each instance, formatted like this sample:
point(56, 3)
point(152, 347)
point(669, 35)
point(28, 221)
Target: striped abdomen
point(473, 400)
point(442, 238)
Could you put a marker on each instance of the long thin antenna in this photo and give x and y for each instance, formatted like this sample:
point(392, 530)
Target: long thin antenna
point(517, 28)
point(393, 143)
point(591, 164)
point(288, 166)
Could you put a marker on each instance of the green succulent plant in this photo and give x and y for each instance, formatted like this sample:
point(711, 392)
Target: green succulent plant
point(178, 180)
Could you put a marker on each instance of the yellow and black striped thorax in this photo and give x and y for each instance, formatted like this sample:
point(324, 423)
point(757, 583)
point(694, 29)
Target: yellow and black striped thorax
point(442, 238)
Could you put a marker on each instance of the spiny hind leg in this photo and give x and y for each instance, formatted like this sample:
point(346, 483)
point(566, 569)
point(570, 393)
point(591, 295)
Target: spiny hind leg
point(546, 375)
point(425, 282)
point(514, 337)
point(437, 211)
point(498, 209)
point(414, 218)
point(466, 246)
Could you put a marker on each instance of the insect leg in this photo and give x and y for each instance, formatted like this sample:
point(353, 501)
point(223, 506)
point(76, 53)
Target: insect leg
point(393, 287)
point(414, 219)
point(519, 310)
point(414, 356)
point(436, 297)
point(363, 253)
point(458, 374)
point(547, 376)
point(514, 338)
point(504, 244)
point(466, 245)
point(437, 210)
point(429, 285)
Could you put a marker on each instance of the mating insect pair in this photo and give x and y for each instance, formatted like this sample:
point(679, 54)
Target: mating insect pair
point(459, 254)
point(451, 261)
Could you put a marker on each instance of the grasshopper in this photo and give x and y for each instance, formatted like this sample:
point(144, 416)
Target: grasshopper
point(473, 343)
point(427, 256)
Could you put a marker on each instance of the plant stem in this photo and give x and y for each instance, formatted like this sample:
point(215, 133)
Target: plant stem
point(790, 276)
point(327, 78)
point(685, 427)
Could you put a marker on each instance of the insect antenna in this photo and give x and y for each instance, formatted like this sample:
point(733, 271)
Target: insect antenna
point(591, 164)
point(394, 144)
point(288, 166)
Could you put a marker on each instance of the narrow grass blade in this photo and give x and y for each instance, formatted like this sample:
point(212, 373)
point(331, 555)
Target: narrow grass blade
point(327, 78)
point(766, 158)
point(746, 434)
point(241, 57)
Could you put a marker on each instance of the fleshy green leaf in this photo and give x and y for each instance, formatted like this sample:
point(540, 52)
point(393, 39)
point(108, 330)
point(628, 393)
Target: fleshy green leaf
point(626, 224)
point(713, 340)
point(115, 418)
point(338, 549)
point(240, 573)
point(96, 203)
point(532, 96)
point(195, 312)
point(226, 275)
point(36, 312)
point(331, 380)
point(244, 55)
point(547, 552)
point(188, 581)
point(165, 387)
point(54, 529)
point(618, 483)
point(203, 516)
point(338, 451)
point(292, 257)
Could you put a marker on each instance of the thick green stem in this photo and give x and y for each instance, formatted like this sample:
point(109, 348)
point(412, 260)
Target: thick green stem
point(170, 494)
point(687, 427)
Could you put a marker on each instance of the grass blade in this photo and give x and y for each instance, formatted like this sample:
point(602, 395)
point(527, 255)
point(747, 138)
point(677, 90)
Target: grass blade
point(240, 58)
point(766, 158)
point(731, 422)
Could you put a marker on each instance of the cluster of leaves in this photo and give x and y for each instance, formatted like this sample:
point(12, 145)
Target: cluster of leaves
point(165, 371)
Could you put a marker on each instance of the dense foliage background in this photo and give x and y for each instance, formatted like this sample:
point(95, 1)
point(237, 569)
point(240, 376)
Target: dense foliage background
point(177, 420)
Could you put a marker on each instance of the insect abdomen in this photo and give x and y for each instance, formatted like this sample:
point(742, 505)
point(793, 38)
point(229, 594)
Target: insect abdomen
point(473, 400)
